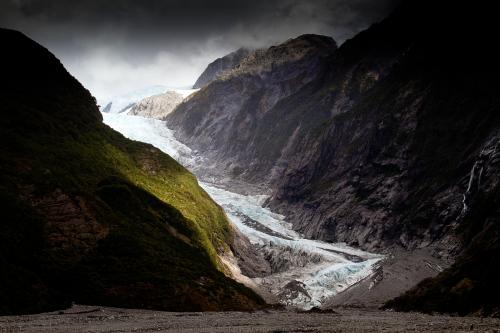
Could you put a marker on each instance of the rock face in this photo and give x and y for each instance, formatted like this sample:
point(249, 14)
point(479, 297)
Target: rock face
point(124, 102)
point(220, 65)
point(91, 217)
point(388, 140)
point(107, 108)
point(157, 106)
point(234, 120)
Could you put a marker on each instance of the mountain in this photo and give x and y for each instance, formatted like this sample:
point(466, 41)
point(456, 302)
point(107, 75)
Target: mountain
point(220, 65)
point(389, 141)
point(231, 118)
point(157, 106)
point(124, 102)
point(91, 217)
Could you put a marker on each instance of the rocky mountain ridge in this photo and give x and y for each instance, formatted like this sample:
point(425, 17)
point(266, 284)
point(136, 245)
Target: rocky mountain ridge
point(232, 128)
point(157, 106)
point(124, 102)
point(219, 66)
point(375, 143)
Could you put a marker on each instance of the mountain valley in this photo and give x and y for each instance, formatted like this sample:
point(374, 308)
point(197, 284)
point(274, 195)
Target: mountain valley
point(318, 185)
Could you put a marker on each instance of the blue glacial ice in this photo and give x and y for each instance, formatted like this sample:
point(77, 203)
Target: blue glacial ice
point(305, 272)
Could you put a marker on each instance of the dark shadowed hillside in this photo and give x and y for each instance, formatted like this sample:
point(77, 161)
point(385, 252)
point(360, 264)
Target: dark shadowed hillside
point(390, 140)
point(91, 217)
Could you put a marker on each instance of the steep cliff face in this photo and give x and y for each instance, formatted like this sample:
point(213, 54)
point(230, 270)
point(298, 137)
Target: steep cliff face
point(91, 217)
point(369, 144)
point(382, 142)
point(393, 168)
point(241, 120)
point(219, 66)
point(470, 286)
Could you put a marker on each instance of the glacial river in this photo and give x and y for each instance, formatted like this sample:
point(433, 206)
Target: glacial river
point(305, 272)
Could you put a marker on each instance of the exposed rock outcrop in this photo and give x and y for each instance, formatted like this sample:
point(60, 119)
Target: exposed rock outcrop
point(378, 143)
point(107, 108)
point(238, 120)
point(338, 133)
point(220, 65)
point(123, 102)
point(157, 106)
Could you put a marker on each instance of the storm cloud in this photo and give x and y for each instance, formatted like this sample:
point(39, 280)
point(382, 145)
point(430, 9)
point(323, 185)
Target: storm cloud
point(116, 46)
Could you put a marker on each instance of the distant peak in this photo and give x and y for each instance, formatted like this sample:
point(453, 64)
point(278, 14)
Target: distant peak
point(311, 40)
point(294, 49)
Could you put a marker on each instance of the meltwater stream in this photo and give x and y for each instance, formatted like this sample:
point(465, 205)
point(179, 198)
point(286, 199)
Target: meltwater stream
point(304, 273)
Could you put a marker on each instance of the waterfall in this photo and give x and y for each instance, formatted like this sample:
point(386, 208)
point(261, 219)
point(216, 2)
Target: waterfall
point(485, 157)
point(478, 164)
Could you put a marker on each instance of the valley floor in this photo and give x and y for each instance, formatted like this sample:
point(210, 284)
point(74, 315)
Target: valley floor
point(101, 319)
point(300, 272)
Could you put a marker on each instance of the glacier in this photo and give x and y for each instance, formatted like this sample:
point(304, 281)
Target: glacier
point(304, 272)
point(124, 102)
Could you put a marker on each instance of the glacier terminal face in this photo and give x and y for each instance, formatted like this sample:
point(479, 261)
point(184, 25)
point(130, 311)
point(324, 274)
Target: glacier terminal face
point(304, 272)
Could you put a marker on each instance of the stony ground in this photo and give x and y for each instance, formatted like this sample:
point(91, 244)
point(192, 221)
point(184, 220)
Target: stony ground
point(101, 319)
point(400, 271)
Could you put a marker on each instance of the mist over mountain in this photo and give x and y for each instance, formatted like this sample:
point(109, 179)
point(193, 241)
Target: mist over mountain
point(118, 46)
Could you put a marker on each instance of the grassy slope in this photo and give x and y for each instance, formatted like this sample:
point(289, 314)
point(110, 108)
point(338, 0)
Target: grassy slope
point(90, 216)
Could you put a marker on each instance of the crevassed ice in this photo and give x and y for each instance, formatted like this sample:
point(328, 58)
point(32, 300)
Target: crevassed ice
point(151, 131)
point(305, 272)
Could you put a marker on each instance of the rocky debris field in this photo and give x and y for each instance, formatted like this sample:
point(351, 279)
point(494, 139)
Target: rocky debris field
point(100, 319)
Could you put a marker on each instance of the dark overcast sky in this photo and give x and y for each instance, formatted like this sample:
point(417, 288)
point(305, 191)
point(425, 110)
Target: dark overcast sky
point(115, 46)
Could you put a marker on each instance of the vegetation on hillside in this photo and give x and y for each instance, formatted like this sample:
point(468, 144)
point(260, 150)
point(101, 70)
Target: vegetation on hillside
point(92, 217)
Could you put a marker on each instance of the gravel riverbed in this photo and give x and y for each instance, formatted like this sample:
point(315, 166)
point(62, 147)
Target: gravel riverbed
point(103, 319)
